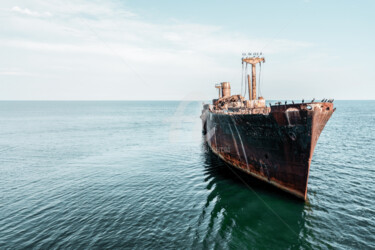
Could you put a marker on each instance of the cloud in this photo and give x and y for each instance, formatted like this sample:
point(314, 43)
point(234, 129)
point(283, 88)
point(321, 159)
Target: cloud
point(13, 72)
point(83, 26)
point(83, 37)
point(28, 12)
point(140, 40)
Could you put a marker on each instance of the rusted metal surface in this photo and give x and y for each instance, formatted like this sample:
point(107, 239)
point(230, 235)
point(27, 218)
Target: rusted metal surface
point(253, 60)
point(276, 146)
point(252, 87)
point(249, 87)
point(225, 86)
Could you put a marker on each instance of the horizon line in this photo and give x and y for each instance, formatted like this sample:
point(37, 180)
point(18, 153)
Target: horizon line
point(130, 100)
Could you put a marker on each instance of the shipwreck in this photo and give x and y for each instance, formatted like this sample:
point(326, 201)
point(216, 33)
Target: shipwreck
point(274, 143)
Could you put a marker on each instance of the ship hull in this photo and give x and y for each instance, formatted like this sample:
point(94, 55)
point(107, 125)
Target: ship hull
point(276, 147)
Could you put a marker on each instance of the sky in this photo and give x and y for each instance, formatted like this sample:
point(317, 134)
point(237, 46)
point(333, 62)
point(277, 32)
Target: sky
point(178, 50)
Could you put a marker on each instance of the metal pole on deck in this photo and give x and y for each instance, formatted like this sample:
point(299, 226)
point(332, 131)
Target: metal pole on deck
point(249, 84)
point(254, 82)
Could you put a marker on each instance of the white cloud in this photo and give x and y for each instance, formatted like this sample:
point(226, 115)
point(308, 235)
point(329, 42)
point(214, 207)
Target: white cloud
point(143, 41)
point(28, 12)
point(13, 72)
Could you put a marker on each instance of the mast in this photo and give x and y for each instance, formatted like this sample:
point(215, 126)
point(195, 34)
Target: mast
point(253, 61)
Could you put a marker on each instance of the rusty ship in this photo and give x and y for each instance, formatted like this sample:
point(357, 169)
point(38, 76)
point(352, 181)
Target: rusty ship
point(273, 143)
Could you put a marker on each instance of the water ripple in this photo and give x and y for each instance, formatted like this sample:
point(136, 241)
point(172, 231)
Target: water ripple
point(137, 175)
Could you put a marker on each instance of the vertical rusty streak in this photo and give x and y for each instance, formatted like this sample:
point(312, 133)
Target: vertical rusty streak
point(243, 148)
point(234, 141)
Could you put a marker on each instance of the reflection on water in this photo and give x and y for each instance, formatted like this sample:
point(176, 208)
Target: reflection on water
point(241, 211)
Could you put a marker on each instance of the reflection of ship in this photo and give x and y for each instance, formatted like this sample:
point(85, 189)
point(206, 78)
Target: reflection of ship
point(275, 143)
point(226, 220)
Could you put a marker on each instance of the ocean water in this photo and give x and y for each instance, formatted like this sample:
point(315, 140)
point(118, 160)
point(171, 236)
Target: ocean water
point(138, 175)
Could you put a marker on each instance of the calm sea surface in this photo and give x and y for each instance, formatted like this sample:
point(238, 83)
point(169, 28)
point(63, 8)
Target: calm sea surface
point(138, 175)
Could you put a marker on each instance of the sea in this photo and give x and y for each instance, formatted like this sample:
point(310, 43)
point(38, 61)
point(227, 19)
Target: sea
point(138, 175)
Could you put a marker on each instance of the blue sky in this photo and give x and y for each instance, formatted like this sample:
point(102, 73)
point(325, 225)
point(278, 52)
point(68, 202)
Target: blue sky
point(174, 50)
